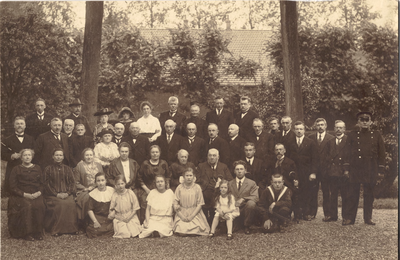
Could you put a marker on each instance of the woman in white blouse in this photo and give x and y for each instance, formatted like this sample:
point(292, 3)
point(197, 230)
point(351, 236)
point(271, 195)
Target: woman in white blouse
point(149, 125)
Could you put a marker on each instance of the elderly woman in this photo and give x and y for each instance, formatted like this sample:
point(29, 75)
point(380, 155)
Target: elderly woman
point(26, 208)
point(85, 173)
point(126, 117)
point(159, 211)
point(147, 173)
point(59, 186)
point(103, 115)
point(178, 168)
point(105, 151)
point(149, 125)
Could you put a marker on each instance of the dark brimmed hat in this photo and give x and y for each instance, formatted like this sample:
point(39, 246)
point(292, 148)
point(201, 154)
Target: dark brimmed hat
point(125, 109)
point(364, 113)
point(104, 111)
point(76, 102)
point(104, 132)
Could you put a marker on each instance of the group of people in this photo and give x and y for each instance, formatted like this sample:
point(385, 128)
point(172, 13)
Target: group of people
point(184, 175)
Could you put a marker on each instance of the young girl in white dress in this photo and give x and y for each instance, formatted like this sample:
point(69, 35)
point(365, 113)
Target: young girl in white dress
point(123, 208)
point(225, 209)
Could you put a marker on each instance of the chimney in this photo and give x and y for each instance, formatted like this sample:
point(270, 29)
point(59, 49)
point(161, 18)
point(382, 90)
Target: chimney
point(228, 23)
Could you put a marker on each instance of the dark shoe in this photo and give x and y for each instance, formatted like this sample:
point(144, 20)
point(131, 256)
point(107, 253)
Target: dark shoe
point(347, 222)
point(326, 219)
point(369, 222)
point(211, 235)
point(229, 237)
point(29, 238)
point(247, 230)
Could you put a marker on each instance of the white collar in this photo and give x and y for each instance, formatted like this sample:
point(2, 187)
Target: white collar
point(102, 196)
point(283, 132)
point(299, 138)
point(233, 138)
point(322, 135)
point(42, 114)
point(251, 159)
point(242, 180)
point(171, 135)
point(340, 136)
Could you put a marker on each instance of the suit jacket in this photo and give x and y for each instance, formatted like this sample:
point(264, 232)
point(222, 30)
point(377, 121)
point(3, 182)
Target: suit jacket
point(46, 143)
point(305, 157)
point(321, 147)
point(246, 123)
point(76, 145)
point(201, 126)
point(178, 118)
point(196, 150)
point(286, 140)
point(248, 191)
point(35, 126)
point(114, 140)
point(140, 150)
point(169, 150)
point(81, 119)
point(264, 145)
point(208, 177)
point(236, 148)
point(334, 156)
point(116, 169)
point(257, 172)
point(222, 121)
point(222, 146)
point(268, 197)
point(287, 168)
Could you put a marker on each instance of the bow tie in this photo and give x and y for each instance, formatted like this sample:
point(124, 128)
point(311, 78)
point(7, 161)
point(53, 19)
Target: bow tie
point(20, 135)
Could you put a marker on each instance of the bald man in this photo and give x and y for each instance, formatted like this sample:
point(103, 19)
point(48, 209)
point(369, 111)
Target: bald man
point(263, 140)
point(170, 142)
point(68, 127)
point(140, 145)
point(214, 141)
point(236, 145)
point(173, 114)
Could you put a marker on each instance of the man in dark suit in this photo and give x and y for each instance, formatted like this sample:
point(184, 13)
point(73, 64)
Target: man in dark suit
point(214, 141)
point(321, 138)
point(68, 127)
point(201, 124)
point(236, 145)
point(264, 141)
point(255, 167)
point(173, 114)
point(12, 145)
point(47, 142)
point(245, 192)
point(273, 125)
point(284, 166)
point(119, 130)
point(194, 145)
point(286, 136)
point(169, 142)
point(244, 118)
point(38, 122)
point(365, 163)
point(333, 156)
point(140, 145)
point(304, 154)
point(221, 117)
point(77, 143)
point(210, 174)
point(76, 110)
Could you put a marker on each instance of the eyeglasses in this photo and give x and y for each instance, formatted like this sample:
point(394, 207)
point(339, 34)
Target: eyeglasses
point(364, 119)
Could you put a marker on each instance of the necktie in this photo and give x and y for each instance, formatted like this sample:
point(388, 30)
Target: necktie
point(298, 142)
point(338, 140)
point(284, 133)
point(20, 135)
point(117, 141)
point(249, 161)
point(40, 117)
point(320, 139)
point(211, 140)
point(171, 114)
point(240, 184)
point(190, 141)
point(219, 112)
point(169, 138)
point(258, 137)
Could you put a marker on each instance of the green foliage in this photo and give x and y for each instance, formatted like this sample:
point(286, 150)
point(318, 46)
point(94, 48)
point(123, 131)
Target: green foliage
point(242, 68)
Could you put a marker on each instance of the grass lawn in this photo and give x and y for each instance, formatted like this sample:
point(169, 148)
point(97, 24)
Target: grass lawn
point(306, 240)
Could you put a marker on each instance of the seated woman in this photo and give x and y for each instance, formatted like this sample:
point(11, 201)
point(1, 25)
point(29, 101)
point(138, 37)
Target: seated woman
point(126, 117)
point(159, 211)
point(189, 218)
point(85, 173)
point(149, 125)
point(123, 208)
point(59, 186)
point(147, 173)
point(103, 114)
point(178, 168)
point(98, 209)
point(105, 151)
point(26, 208)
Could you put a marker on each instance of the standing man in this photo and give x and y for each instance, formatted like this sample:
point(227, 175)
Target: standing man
point(169, 142)
point(47, 142)
point(263, 140)
point(201, 124)
point(38, 122)
point(211, 173)
point(334, 155)
point(365, 163)
point(236, 145)
point(139, 144)
point(214, 141)
point(68, 127)
point(245, 192)
point(244, 118)
point(221, 117)
point(76, 110)
point(12, 145)
point(286, 136)
point(194, 145)
point(321, 138)
point(255, 167)
point(173, 114)
point(273, 125)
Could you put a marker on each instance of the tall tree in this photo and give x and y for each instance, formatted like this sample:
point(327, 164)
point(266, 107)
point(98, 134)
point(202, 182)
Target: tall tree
point(91, 58)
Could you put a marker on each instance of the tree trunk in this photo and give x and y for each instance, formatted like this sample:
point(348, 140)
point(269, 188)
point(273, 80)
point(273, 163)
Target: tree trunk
point(291, 60)
point(91, 59)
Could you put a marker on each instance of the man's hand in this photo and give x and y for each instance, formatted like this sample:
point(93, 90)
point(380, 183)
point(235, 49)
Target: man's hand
point(346, 174)
point(29, 196)
point(296, 183)
point(268, 224)
point(271, 207)
point(239, 202)
point(15, 156)
point(312, 177)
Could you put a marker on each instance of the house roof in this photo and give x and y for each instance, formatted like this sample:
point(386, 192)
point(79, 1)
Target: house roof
point(248, 44)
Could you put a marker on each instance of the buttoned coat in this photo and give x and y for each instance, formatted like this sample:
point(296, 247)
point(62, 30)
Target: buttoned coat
point(178, 118)
point(196, 149)
point(201, 126)
point(81, 119)
point(321, 171)
point(246, 123)
point(208, 177)
point(334, 157)
point(304, 157)
point(45, 145)
point(264, 144)
point(116, 169)
point(35, 126)
point(222, 121)
point(222, 146)
point(248, 191)
point(140, 149)
point(76, 145)
point(169, 150)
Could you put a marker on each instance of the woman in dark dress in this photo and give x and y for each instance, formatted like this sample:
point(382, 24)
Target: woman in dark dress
point(178, 168)
point(59, 187)
point(26, 208)
point(99, 206)
point(126, 117)
point(147, 174)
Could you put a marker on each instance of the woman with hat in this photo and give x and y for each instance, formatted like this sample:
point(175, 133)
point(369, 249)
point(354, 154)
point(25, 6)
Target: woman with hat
point(126, 117)
point(149, 125)
point(105, 151)
point(103, 114)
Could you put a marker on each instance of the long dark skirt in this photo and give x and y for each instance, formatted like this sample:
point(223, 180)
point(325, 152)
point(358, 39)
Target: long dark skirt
point(61, 215)
point(25, 216)
point(82, 203)
point(106, 229)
